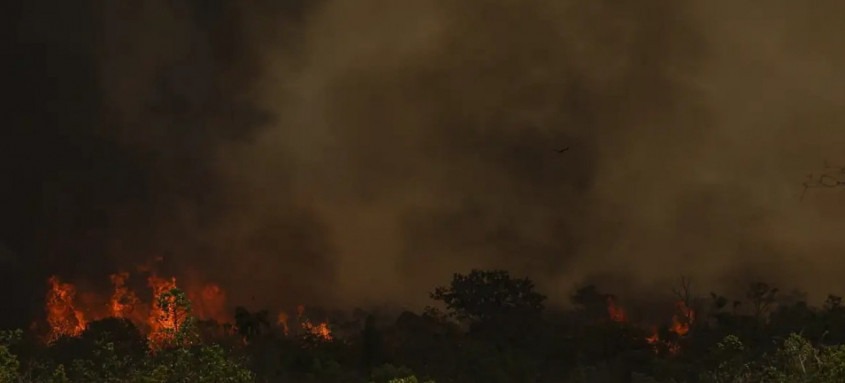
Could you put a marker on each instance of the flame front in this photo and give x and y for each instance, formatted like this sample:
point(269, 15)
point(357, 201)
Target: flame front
point(68, 312)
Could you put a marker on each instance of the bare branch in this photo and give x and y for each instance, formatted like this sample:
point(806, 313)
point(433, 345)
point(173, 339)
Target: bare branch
point(831, 177)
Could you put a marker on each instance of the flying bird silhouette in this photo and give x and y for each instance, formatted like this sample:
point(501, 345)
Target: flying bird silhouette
point(562, 150)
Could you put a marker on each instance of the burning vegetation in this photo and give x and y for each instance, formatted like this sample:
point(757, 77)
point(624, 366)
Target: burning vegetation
point(486, 318)
point(159, 317)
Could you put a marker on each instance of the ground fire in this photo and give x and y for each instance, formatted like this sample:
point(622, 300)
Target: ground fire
point(68, 312)
point(682, 320)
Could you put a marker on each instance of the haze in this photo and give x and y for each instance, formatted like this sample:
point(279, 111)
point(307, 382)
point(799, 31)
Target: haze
point(359, 152)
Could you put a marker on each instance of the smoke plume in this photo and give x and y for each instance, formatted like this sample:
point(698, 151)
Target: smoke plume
point(353, 152)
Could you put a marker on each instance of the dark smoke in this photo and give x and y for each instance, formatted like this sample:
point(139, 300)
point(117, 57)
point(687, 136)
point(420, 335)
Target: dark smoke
point(351, 152)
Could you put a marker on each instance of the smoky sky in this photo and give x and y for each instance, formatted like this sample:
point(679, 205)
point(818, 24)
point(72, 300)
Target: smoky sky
point(359, 152)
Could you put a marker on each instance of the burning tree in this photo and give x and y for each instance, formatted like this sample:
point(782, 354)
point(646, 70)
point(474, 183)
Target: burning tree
point(171, 319)
point(62, 315)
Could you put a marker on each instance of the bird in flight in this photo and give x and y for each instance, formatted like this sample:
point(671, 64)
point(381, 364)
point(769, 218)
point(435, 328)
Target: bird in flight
point(562, 150)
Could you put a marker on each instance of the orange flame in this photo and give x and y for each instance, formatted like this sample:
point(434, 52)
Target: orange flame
point(654, 338)
point(69, 312)
point(681, 322)
point(123, 301)
point(320, 330)
point(62, 315)
point(283, 322)
point(683, 319)
point(163, 321)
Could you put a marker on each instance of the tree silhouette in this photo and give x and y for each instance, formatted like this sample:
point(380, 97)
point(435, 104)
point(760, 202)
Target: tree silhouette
point(482, 296)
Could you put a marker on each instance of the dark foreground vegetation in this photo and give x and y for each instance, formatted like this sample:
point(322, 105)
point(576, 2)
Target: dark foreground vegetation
point(493, 328)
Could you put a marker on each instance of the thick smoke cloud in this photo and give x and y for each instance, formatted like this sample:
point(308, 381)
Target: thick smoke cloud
point(353, 152)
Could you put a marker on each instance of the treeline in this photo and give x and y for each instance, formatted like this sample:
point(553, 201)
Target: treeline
point(492, 328)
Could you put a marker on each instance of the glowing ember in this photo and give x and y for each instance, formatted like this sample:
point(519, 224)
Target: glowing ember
point(320, 330)
point(616, 312)
point(653, 338)
point(282, 321)
point(683, 319)
point(681, 322)
point(62, 315)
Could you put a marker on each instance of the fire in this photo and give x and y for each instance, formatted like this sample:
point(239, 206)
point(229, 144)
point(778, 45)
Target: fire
point(614, 311)
point(653, 338)
point(123, 300)
point(282, 321)
point(683, 319)
point(164, 319)
point(681, 322)
point(209, 302)
point(62, 315)
point(319, 330)
point(68, 312)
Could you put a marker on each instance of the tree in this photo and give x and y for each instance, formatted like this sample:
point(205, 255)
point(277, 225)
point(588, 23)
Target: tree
point(251, 325)
point(483, 296)
point(372, 345)
point(9, 363)
point(762, 297)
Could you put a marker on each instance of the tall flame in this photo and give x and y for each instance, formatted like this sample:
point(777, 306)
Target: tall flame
point(123, 300)
point(62, 315)
point(68, 312)
point(163, 320)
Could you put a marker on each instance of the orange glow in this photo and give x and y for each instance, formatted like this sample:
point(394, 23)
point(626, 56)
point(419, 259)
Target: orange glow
point(616, 312)
point(209, 303)
point(681, 322)
point(62, 315)
point(123, 300)
point(68, 311)
point(320, 330)
point(282, 321)
point(163, 321)
point(653, 338)
point(683, 319)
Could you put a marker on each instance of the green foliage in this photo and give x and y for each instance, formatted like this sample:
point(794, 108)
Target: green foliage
point(796, 360)
point(108, 352)
point(502, 334)
point(201, 364)
point(178, 308)
point(9, 364)
point(409, 379)
point(389, 373)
